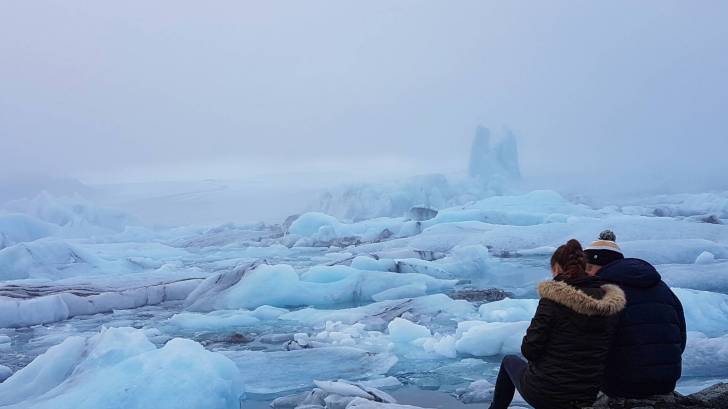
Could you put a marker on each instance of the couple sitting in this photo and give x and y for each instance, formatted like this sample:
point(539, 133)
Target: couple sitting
point(603, 323)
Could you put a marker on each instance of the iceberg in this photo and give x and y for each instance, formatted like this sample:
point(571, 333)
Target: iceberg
point(499, 160)
point(282, 286)
point(64, 302)
point(402, 330)
point(120, 368)
point(20, 228)
point(75, 216)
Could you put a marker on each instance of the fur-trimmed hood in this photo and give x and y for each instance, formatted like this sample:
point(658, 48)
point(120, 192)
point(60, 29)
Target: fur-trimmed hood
point(569, 296)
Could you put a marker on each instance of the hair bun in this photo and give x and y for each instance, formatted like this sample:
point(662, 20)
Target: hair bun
point(574, 245)
point(607, 235)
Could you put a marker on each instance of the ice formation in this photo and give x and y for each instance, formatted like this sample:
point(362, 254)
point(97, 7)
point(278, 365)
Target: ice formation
point(282, 286)
point(120, 368)
point(341, 304)
point(493, 169)
point(499, 160)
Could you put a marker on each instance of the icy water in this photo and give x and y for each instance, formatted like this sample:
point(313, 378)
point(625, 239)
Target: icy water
point(268, 312)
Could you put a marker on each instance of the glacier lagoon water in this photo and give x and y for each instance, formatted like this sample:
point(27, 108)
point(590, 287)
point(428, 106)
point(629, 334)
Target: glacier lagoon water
point(334, 300)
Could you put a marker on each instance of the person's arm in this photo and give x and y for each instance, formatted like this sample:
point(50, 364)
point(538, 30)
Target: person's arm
point(681, 321)
point(538, 333)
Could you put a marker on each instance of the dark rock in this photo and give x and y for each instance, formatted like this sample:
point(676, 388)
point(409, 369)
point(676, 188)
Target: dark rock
point(343, 242)
point(715, 396)
point(480, 295)
point(429, 255)
point(711, 218)
point(420, 213)
point(238, 338)
point(289, 221)
point(406, 266)
point(507, 254)
point(384, 235)
point(661, 212)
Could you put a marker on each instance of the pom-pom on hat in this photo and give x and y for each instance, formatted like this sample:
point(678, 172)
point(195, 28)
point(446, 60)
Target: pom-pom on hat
point(605, 250)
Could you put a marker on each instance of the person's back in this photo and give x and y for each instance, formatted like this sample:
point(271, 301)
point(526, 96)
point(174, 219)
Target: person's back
point(569, 341)
point(646, 356)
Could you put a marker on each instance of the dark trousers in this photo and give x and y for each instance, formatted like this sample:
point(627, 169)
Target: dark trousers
point(509, 379)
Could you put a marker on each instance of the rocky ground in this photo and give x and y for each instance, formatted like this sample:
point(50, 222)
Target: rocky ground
point(715, 397)
point(345, 395)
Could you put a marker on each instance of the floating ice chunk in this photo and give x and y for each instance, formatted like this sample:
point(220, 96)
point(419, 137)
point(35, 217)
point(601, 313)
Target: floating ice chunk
point(273, 372)
point(291, 401)
point(444, 346)
point(323, 228)
point(706, 277)
point(669, 251)
point(63, 305)
point(394, 199)
point(405, 291)
point(332, 395)
point(339, 334)
point(369, 263)
point(77, 217)
point(705, 257)
point(266, 312)
point(417, 266)
point(463, 262)
point(309, 224)
point(5, 373)
point(18, 313)
point(537, 207)
point(404, 331)
point(281, 286)
point(705, 312)
point(207, 293)
point(120, 368)
point(508, 310)
point(705, 356)
point(361, 403)
point(381, 313)
point(342, 388)
point(466, 260)
point(213, 321)
point(44, 373)
point(19, 228)
point(480, 391)
point(686, 204)
point(478, 338)
point(386, 382)
point(45, 258)
point(338, 402)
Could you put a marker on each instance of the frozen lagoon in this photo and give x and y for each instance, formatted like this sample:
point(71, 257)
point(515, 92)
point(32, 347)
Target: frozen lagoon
point(279, 307)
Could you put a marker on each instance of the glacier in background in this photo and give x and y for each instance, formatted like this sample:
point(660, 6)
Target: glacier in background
point(421, 284)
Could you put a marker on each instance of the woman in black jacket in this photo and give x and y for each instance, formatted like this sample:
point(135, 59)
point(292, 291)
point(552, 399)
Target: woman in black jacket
point(568, 340)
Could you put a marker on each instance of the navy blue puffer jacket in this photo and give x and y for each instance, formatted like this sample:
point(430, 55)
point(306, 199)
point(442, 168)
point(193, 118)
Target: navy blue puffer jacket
point(646, 357)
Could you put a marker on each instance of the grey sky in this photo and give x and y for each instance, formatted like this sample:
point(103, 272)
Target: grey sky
point(135, 90)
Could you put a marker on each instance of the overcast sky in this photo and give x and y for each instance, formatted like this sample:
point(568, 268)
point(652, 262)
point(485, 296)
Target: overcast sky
point(147, 90)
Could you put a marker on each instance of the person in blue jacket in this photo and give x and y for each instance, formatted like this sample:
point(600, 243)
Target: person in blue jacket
point(646, 356)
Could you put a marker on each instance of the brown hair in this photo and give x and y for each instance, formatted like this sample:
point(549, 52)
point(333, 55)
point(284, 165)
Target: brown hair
point(570, 257)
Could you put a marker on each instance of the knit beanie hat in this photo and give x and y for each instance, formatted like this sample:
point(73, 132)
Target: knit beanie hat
point(603, 251)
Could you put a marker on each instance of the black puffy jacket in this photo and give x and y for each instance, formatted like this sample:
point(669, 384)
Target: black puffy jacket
point(646, 358)
point(568, 341)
